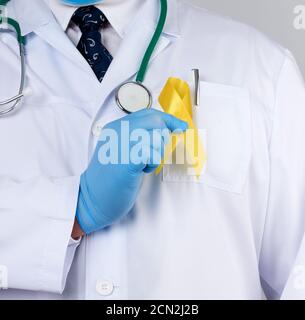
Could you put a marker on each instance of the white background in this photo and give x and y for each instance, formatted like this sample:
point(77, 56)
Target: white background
point(273, 17)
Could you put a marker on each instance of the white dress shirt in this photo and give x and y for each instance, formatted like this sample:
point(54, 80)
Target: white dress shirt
point(118, 12)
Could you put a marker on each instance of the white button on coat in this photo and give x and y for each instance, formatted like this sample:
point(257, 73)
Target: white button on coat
point(104, 287)
point(97, 128)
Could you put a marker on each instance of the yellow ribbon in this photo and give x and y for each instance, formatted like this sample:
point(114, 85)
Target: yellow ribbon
point(175, 99)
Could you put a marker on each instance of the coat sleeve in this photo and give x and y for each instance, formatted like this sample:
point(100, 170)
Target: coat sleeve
point(36, 220)
point(282, 253)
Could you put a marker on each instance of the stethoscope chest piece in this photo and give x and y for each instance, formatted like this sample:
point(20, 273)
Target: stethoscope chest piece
point(133, 96)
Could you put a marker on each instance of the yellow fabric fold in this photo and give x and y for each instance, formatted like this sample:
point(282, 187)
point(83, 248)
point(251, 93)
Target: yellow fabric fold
point(175, 99)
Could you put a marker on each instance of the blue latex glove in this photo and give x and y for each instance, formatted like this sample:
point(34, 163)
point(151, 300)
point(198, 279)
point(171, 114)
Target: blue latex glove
point(109, 191)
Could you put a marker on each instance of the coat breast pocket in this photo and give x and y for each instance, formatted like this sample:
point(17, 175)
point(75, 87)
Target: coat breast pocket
point(224, 122)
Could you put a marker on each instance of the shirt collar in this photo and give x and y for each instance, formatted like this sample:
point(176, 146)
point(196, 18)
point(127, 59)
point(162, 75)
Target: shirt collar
point(118, 12)
point(23, 10)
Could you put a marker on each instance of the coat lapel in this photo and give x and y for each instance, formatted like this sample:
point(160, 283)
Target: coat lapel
point(44, 25)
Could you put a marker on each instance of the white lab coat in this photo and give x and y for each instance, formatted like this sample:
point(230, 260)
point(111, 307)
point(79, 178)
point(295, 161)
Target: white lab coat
point(236, 231)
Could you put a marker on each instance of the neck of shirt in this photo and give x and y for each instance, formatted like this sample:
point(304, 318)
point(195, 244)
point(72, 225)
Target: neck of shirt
point(118, 12)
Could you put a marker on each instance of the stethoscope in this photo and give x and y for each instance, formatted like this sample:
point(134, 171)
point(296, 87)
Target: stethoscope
point(130, 97)
point(5, 106)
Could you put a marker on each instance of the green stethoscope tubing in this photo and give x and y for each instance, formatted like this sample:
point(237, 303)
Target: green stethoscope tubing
point(21, 41)
point(13, 23)
point(153, 42)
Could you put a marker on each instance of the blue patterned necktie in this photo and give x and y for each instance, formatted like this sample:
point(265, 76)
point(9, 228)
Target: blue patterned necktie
point(90, 20)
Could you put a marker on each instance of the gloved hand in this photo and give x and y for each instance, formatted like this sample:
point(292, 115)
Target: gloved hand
point(108, 191)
